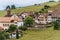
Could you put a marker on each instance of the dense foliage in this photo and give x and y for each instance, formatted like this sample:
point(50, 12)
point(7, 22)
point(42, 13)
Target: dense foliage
point(13, 7)
point(12, 28)
point(45, 9)
point(23, 28)
point(28, 21)
point(4, 35)
point(17, 34)
point(57, 25)
point(8, 7)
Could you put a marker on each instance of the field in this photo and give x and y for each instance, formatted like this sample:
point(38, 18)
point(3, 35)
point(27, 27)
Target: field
point(47, 34)
point(34, 8)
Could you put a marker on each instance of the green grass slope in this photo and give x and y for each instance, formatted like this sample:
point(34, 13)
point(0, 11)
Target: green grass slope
point(34, 8)
point(2, 13)
point(48, 34)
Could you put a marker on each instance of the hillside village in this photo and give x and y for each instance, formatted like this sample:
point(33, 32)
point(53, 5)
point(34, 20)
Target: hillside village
point(41, 20)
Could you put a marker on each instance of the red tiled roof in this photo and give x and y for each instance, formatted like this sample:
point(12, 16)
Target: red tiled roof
point(5, 19)
point(8, 19)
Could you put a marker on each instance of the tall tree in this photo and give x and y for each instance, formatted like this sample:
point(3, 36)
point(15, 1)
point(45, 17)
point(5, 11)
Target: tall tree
point(57, 25)
point(58, 0)
point(8, 7)
point(28, 21)
point(13, 7)
point(46, 6)
point(12, 28)
point(52, 1)
point(17, 34)
point(4, 35)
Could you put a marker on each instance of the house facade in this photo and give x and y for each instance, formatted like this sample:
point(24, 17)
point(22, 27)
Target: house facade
point(43, 18)
point(5, 22)
point(51, 16)
point(9, 19)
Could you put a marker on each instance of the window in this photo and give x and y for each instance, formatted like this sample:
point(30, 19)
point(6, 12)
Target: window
point(13, 33)
point(38, 20)
point(12, 20)
point(15, 22)
point(50, 14)
point(5, 24)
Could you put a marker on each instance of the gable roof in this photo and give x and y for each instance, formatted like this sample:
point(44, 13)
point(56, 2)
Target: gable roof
point(5, 19)
point(9, 19)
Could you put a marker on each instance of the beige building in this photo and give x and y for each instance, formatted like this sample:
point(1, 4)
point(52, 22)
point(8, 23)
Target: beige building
point(5, 22)
point(9, 19)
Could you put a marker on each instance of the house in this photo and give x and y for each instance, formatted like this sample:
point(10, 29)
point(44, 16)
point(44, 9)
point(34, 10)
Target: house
point(45, 18)
point(25, 14)
point(42, 19)
point(5, 22)
point(51, 16)
point(13, 34)
point(55, 15)
point(9, 19)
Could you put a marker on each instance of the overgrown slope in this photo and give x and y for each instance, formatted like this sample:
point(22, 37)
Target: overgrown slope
point(34, 8)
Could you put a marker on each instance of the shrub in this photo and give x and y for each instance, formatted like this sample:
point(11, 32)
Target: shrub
point(57, 25)
point(46, 6)
point(17, 34)
point(23, 28)
point(12, 28)
point(4, 35)
point(28, 21)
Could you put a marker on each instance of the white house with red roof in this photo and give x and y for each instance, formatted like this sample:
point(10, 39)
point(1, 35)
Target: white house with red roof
point(9, 19)
point(5, 22)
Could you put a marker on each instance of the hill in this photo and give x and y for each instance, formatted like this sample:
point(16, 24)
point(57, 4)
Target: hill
point(46, 34)
point(34, 8)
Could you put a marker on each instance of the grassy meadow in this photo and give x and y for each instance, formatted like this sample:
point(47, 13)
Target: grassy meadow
point(47, 34)
point(35, 8)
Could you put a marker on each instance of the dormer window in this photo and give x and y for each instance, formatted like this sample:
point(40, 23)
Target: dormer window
point(50, 14)
point(12, 20)
point(15, 22)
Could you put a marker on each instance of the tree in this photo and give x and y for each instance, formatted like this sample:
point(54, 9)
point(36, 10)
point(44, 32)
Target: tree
point(8, 7)
point(51, 1)
point(12, 28)
point(17, 34)
point(4, 35)
point(43, 10)
point(40, 11)
point(57, 25)
point(58, 0)
point(13, 7)
point(23, 28)
point(46, 6)
point(28, 21)
point(35, 4)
